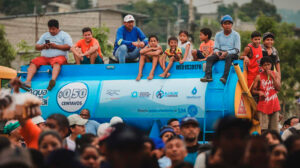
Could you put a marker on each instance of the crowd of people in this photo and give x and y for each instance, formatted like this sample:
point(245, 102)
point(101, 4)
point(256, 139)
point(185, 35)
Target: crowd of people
point(77, 141)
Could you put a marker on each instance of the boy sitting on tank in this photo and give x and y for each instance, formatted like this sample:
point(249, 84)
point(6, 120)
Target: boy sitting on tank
point(252, 55)
point(148, 53)
point(227, 47)
point(206, 48)
point(87, 50)
point(174, 54)
point(265, 85)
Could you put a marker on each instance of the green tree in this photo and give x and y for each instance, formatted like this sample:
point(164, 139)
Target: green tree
point(7, 52)
point(83, 4)
point(289, 53)
point(227, 9)
point(101, 34)
point(255, 7)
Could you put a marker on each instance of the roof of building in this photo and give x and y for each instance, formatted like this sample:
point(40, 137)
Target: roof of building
point(137, 15)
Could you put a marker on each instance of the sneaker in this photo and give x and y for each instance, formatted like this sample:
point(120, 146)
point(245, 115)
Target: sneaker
point(206, 79)
point(51, 85)
point(223, 80)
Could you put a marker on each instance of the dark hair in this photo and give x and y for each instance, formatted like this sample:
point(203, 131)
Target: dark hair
point(147, 139)
point(36, 157)
point(184, 165)
point(81, 150)
point(62, 158)
point(290, 119)
point(61, 120)
point(4, 143)
point(255, 34)
point(152, 36)
point(50, 132)
point(172, 38)
point(184, 32)
point(172, 120)
point(287, 122)
point(229, 122)
point(53, 23)
point(289, 142)
point(173, 138)
point(87, 29)
point(266, 59)
point(275, 134)
point(85, 139)
point(207, 32)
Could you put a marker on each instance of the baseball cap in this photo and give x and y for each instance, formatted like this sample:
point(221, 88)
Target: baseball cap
point(189, 120)
point(10, 126)
point(268, 35)
point(75, 119)
point(38, 119)
point(128, 18)
point(226, 18)
point(115, 120)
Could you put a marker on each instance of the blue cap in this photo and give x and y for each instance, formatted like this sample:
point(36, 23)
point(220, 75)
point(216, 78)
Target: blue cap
point(166, 129)
point(226, 18)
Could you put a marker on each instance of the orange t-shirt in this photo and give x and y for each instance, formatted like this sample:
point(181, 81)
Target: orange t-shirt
point(84, 46)
point(209, 46)
point(31, 133)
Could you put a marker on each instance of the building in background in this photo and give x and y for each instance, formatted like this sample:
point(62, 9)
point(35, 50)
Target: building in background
point(114, 3)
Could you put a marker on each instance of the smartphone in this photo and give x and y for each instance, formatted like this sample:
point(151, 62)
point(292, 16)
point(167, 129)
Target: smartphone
point(47, 41)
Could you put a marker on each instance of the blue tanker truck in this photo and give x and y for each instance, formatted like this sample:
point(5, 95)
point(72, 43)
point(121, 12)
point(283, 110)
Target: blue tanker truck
point(109, 90)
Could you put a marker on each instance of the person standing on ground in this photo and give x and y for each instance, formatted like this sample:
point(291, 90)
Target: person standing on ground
point(91, 126)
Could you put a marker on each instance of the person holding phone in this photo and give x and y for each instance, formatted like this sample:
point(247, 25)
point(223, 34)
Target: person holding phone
point(54, 46)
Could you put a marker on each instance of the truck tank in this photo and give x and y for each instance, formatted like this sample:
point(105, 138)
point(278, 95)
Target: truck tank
point(109, 90)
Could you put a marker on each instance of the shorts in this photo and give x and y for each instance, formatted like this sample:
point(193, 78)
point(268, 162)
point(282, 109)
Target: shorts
point(38, 61)
point(268, 121)
point(200, 55)
point(88, 60)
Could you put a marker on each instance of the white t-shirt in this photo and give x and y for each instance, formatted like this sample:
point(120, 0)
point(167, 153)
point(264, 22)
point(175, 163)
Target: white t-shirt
point(71, 144)
point(183, 46)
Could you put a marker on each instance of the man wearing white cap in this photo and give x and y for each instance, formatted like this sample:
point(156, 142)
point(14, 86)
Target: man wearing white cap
point(129, 40)
point(77, 128)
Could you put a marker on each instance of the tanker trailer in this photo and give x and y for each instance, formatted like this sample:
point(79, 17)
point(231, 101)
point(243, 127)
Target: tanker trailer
point(109, 90)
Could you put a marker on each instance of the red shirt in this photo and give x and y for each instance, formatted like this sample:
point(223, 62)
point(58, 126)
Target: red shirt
point(270, 103)
point(253, 67)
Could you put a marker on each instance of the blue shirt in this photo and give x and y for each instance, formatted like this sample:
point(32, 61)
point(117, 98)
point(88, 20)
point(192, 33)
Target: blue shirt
point(230, 43)
point(125, 37)
point(60, 39)
point(91, 127)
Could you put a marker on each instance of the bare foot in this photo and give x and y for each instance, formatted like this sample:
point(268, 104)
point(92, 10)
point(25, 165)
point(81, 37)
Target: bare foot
point(150, 77)
point(138, 78)
point(168, 74)
point(163, 75)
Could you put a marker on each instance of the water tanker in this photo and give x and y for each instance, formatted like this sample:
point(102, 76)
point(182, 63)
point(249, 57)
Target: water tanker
point(109, 90)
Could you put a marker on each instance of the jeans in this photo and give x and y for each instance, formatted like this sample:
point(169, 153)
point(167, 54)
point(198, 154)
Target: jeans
point(211, 60)
point(122, 53)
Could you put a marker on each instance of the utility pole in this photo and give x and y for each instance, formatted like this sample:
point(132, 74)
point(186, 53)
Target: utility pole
point(178, 16)
point(36, 21)
point(191, 15)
